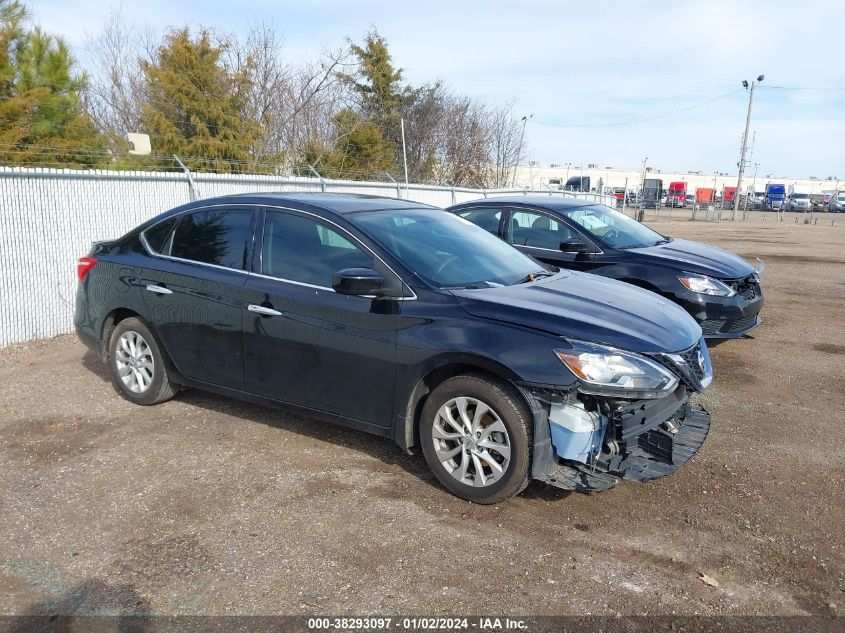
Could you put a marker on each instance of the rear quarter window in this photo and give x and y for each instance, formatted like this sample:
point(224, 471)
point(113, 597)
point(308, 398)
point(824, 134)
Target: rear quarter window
point(158, 234)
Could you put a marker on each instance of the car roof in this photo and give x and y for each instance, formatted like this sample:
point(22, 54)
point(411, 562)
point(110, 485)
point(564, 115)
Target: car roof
point(340, 203)
point(553, 203)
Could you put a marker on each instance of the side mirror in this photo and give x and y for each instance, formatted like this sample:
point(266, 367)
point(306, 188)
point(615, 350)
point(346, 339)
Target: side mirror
point(574, 246)
point(357, 281)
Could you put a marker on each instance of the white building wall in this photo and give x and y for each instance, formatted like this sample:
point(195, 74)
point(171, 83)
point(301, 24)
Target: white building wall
point(538, 177)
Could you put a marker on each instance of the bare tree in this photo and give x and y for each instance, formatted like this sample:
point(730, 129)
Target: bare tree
point(114, 94)
point(425, 111)
point(463, 157)
point(504, 144)
point(293, 104)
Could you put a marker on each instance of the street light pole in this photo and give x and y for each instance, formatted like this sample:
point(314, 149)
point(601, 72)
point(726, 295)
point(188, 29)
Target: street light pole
point(519, 151)
point(745, 141)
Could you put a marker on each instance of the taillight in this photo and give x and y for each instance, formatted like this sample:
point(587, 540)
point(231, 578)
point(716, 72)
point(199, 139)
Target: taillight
point(83, 266)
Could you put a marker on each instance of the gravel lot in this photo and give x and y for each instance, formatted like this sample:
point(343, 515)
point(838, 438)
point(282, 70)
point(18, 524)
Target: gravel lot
point(210, 506)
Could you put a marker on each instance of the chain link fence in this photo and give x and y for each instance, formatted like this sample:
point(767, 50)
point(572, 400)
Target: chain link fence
point(49, 217)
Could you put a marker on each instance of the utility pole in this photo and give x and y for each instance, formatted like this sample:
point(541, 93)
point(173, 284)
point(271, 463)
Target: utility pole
point(745, 140)
point(404, 154)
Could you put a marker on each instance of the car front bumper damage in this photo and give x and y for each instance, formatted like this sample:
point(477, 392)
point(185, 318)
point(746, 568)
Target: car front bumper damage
point(641, 439)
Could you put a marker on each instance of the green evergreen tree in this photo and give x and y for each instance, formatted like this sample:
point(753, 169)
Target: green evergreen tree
point(195, 106)
point(359, 153)
point(42, 118)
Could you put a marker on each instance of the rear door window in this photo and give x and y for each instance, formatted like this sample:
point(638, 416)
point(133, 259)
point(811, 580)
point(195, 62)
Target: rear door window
point(217, 236)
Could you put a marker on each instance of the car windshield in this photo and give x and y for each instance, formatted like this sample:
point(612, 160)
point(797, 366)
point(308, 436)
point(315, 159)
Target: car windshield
point(445, 250)
point(613, 228)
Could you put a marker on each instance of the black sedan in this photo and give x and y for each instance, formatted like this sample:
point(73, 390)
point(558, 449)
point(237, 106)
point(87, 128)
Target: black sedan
point(718, 288)
point(406, 322)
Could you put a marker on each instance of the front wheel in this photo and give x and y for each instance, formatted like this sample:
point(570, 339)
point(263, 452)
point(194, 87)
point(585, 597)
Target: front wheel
point(476, 435)
point(137, 366)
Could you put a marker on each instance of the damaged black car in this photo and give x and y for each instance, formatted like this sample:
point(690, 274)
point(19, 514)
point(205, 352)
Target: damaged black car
point(412, 324)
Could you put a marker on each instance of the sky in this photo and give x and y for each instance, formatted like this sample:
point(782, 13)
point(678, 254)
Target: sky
point(582, 71)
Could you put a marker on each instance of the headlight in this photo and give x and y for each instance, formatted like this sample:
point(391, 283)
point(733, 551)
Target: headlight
point(707, 286)
point(605, 371)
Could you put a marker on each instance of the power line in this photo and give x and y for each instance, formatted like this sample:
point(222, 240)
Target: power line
point(822, 89)
point(651, 118)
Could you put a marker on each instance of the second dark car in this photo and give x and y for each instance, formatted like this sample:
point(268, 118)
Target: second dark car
point(718, 288)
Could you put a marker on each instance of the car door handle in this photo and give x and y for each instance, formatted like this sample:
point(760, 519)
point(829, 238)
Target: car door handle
point(262, 310)
point(160, 290)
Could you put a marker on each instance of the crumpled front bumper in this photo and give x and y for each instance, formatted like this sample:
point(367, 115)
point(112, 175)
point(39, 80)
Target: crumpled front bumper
point(644, 445)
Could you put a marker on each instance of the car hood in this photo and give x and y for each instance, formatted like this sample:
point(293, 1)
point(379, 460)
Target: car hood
point(694, 257)
point(589, 308)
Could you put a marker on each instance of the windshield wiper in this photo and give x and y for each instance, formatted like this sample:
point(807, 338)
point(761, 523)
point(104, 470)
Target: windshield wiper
point(534, 276)
point(665, 240)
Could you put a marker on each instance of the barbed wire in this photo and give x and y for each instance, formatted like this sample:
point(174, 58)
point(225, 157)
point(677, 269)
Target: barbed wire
point(55, 157)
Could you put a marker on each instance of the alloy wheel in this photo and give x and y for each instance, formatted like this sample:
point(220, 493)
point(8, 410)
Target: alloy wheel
point(135, 363)
point(471, 442)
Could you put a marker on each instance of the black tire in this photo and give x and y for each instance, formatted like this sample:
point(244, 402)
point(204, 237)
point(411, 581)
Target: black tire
point(159, 388)
point(514, 413)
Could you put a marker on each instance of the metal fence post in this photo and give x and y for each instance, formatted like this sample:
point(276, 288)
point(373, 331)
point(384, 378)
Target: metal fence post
point(191, 185)
point(454, 200)
point(322, 180)
point(393, 180)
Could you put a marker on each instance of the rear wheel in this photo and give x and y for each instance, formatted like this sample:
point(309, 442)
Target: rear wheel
point(137, 367)
point(476, 435)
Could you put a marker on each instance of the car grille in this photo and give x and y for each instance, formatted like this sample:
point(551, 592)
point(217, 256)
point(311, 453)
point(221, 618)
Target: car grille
point(711, 326)
point(740, 324)
point(690, 358)
point(715, 326)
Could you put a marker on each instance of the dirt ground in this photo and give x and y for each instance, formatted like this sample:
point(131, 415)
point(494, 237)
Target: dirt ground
point(210, 506)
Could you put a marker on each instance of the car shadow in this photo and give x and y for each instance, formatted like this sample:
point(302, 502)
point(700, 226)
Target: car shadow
point(95, 365)
point(542, 491)
point(293, 420)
